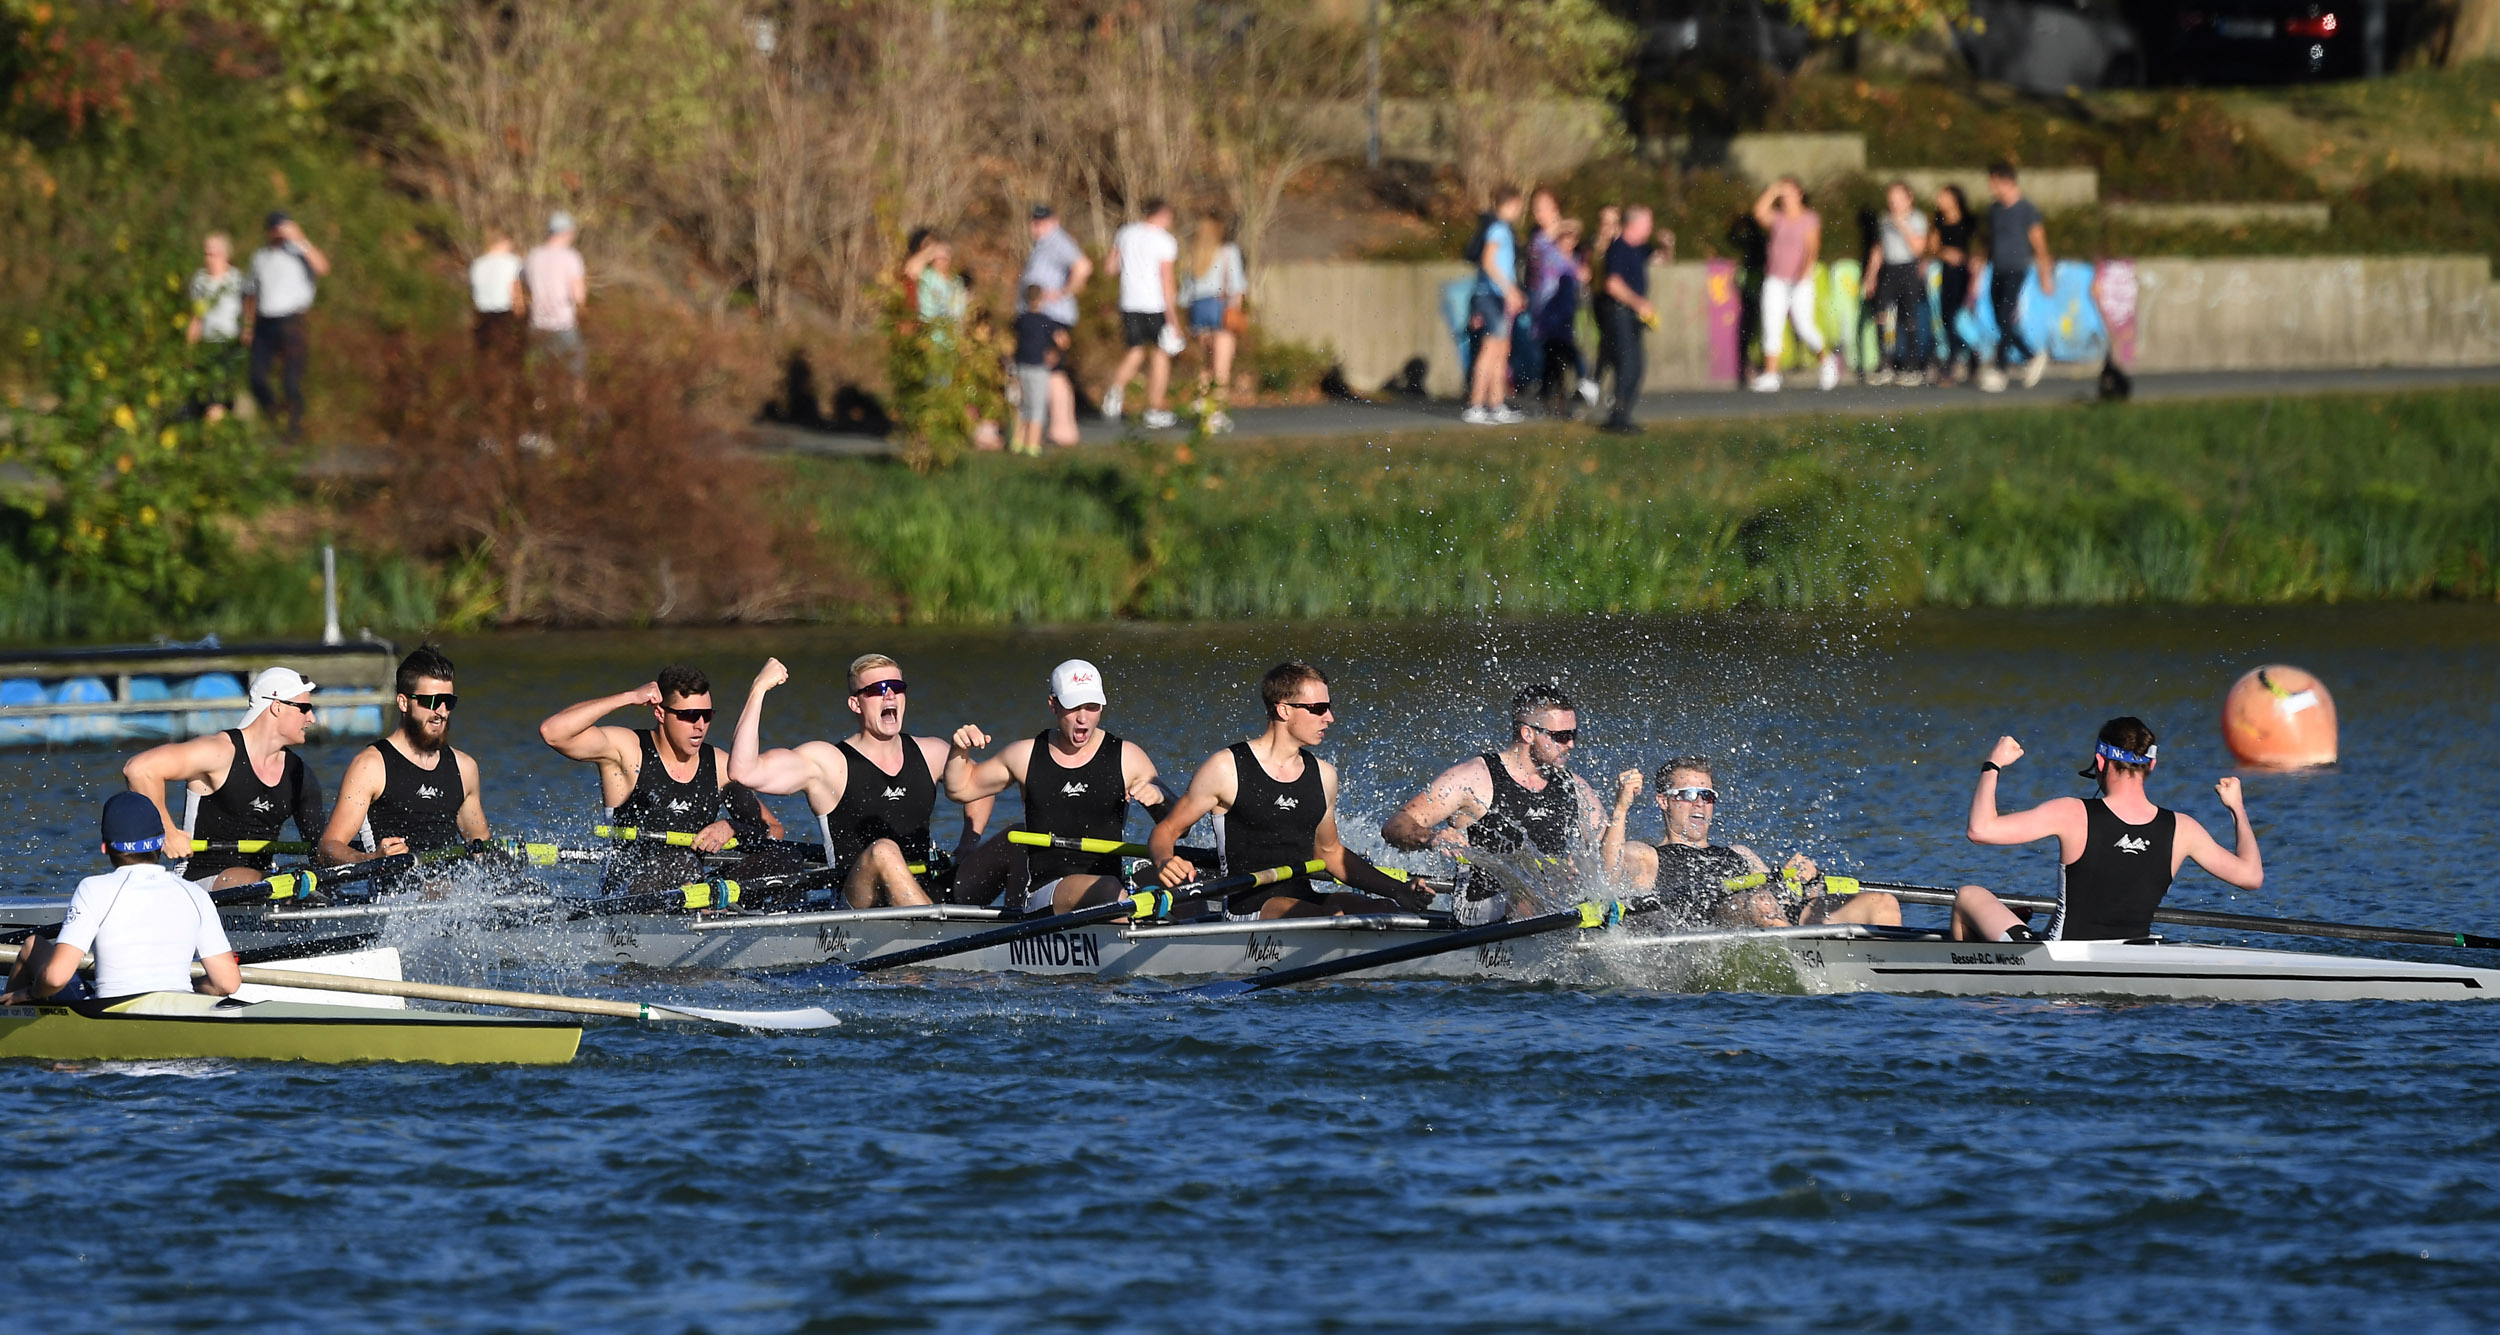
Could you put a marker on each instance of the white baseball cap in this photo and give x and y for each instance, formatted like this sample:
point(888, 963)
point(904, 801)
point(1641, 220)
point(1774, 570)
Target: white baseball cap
point(1076, 682)
point(274, 684)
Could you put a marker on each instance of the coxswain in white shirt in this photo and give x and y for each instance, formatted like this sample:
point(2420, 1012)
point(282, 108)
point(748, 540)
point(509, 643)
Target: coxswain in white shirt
point(143, 924)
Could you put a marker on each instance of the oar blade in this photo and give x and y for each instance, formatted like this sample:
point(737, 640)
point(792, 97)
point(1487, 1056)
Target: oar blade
point(808, 1017)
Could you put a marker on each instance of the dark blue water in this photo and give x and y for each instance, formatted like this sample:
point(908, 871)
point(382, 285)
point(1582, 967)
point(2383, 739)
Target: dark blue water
point(1002, 1154)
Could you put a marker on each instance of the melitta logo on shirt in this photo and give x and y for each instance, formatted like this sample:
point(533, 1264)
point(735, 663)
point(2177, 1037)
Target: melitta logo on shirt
point(2131, 844)
point(428, 791)
point(1287, 803)
point(1072, 790)
point(894, 794)
point(681, 806)
point(263, 804)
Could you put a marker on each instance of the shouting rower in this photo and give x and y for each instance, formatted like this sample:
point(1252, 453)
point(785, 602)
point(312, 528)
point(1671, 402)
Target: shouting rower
point(1522, 797)
point(144, 924)
point(1077, 781)
point(1692, 874)
point(2119, 852)
point(244, 784)
point(1276, 805)
point(662, 780)
point(873, 792)
point(411, 791)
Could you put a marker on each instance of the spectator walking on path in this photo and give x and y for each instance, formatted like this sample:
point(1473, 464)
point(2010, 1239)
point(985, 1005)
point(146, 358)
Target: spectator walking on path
point(1040, 344)
point(1627, 283)
point(497, 299)
point(1218, 285)
point(1057, 266)
point(1896, 282)
point(1557, 315)
point(1957, 264)
point(1146, 256)
point(2018, 242)
point(1490, 309)
point(1609, 229)
point(216, 327)
point(277, 299)
point(559, 286)
point(1796, 242)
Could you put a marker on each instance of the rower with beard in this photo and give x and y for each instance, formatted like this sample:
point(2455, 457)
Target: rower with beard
point(1522, 798)
point(2118, 853)
point(873, 792)
point(665, 780)
point(1275, 805)
point(244, 784)
point(412, 791)
point(1691, 875)
point(1077, 781)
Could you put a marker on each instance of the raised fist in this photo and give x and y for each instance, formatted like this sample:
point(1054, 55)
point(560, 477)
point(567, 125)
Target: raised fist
point(2228, 789)
point(1627, 787)
point(969, 737)
point(2006, 753)
point(647, 694)
point(773, 674)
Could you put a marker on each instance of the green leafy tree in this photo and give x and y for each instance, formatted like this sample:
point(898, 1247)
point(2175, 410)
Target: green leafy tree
point(1828, 19)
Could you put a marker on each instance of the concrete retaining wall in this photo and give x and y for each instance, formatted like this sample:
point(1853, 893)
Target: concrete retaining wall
point(2192, 315)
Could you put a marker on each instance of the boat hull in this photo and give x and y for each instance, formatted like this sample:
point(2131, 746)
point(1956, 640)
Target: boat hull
point(174, 1026)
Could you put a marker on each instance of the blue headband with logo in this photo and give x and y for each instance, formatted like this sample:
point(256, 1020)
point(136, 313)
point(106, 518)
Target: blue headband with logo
point(154, 845)
point(2124, 756)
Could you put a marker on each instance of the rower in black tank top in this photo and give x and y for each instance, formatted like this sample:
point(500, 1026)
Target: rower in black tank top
point(876, 805)
point(1088, 801)
point(245, 808)
point(2110, 892)
point(661, 802)
point(1271, 824)
point(421, 806)
point(1544, 821)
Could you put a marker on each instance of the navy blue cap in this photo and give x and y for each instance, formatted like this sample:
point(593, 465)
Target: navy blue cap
point(131, 824)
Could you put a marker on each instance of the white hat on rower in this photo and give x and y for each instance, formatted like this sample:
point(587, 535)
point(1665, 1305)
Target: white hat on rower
point(274, 684)
point(1076, 682)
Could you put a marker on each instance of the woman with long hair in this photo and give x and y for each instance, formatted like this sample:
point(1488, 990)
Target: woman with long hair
point(1954, 229)
point(1214, 285)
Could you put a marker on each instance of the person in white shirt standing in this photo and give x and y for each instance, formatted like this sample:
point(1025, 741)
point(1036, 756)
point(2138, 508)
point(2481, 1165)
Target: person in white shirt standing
point(500, 299)
point(277, 302)
point(1145, 254)
point(144, 924)
point(216, 327)
point(559, 286)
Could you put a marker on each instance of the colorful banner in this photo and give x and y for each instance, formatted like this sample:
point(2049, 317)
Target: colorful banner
point(2114, 290)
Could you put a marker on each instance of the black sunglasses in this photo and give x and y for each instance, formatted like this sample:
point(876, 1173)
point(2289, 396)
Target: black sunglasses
point(1709, 795)
point(893, 687)
point(690, 715)
point(1566, 736)
point(305, 706)
point(446, 701)
point(1320, 708)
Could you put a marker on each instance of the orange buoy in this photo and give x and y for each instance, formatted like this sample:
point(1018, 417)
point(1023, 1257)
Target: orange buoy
point(2279, 717)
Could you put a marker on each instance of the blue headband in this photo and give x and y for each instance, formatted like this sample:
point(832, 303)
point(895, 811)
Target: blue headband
point(2125, 757)
point(149, 845)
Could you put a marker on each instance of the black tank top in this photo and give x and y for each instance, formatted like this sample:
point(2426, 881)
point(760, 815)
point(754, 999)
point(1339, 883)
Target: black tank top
point(661, 802)
point(421, 806)
point(1089, 801)
point(876, 805)
point(1518, 818)
point(245, 808)
point(1271, 824)
point(1694, 880)
point(2110, 892)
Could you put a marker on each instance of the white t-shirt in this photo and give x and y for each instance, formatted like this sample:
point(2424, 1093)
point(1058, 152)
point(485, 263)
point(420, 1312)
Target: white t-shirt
point(281, 281)
point(552, 272)
point(144, 925)
point(491, 277)
point(219, 304)
point(1144, 249)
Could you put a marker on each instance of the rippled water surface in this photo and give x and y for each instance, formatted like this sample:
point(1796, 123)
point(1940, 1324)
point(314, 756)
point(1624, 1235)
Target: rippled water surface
point(977, 1153)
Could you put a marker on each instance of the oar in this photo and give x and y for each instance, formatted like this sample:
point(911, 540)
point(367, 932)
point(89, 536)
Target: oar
point(681, 839)
point(308, 881)
point(251, 846)
point(1584, 915)
point(1204, 857)
point(2243, 922)
point(1151, 903)
point(811, 1017)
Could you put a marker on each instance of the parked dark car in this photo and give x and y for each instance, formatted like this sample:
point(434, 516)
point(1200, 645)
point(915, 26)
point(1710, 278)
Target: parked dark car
point(2261, 41)
point(2049, 46)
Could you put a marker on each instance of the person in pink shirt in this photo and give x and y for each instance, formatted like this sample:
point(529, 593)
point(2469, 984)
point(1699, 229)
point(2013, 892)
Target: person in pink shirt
point(559, 285)
point(1796, 234)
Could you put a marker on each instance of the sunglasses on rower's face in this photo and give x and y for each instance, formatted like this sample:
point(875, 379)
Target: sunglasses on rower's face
point(1704, 795)
point(444, 701)
point(689, 715)
point(894, 687)
point(305, 706)
point(1318, 707)
point(1565, 736)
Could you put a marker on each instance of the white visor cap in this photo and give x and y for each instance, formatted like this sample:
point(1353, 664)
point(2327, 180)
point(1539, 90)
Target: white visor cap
point(275, 684)
point(1076, 682)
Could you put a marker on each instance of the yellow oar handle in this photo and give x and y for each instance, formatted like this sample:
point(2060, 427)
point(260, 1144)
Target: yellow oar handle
point(1149, 904)
point(250, 846)
point(723, 893)
point(1035, 839)
point(678, 838)
point(1274, 874)
point(1749, 881)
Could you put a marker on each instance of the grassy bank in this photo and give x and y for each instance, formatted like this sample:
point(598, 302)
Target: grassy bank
point(2293, 500)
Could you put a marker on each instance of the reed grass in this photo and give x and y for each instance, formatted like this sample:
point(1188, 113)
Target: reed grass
point(2243, 502)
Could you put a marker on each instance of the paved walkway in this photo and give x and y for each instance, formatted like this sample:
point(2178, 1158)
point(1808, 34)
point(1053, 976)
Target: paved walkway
point(1368, 418)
